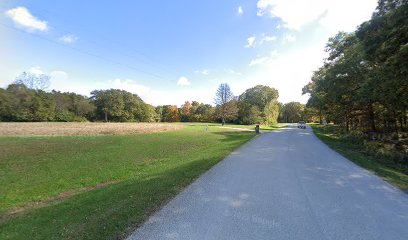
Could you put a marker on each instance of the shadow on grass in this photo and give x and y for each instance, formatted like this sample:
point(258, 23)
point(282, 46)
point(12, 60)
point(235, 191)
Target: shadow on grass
point(114, 211)
point(361, 157)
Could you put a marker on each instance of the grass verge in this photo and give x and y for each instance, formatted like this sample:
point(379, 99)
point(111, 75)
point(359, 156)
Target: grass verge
point(115, 182)
point(356, 152)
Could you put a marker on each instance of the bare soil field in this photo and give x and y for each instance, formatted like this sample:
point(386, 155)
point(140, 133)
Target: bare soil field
point(82, 129)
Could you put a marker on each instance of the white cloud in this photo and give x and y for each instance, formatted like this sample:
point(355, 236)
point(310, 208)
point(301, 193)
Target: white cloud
point(130, 86)
point(62, 81)
point(183, 81)
point(203, 72)
point(58, 74)
point(267, 38)
point(288, 38)
point(240, 10)
point(337, 15)
point(22, 17)
point(258, 61)
point(290, 72)
point(309, 24)
point(70, 38)
point(233, 72)
point(36, 70)
point(264, 60)
point(250, 42)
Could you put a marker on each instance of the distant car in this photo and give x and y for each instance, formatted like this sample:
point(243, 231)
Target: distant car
point(302, 125)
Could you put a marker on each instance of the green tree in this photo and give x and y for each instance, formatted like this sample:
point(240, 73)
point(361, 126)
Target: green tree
point(293, 112)
point(122, 106)
point(265, 100)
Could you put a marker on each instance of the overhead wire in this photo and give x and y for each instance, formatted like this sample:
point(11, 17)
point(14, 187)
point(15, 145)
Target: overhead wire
point(150, 61)
point(84, 52)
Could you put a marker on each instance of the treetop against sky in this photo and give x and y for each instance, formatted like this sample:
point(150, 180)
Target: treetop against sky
point(168, 52)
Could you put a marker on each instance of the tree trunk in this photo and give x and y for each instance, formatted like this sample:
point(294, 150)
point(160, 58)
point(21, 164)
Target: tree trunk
point(371, 117)
point(347, 122)
point(320, 116)
point(395, 122)
point(106, 116)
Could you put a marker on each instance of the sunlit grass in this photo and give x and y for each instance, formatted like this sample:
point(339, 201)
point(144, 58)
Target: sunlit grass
point(100, 187)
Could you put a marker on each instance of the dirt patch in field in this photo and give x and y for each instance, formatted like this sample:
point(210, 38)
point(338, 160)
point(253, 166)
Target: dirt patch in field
point(45, 202)
point(83, 129)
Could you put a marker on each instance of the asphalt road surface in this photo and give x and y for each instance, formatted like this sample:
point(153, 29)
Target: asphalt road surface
point(283, 185)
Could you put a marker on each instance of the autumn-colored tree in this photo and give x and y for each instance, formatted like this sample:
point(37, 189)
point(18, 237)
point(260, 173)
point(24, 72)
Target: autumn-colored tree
point(186, 111)
point(171, 113)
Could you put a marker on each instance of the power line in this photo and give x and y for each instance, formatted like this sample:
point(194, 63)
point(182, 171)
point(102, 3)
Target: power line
point(84, 52)
point(142, 56)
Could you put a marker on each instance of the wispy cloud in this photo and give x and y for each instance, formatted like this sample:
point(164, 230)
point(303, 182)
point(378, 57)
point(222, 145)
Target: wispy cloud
point(203, 72)
point(258, 61)
point(70, 38)
point(233, 72)
point(36, 70)
point(263, 60)
point(288, 38)
point(22, 17)
point(266, 38)
point(295, 14)
point(130, 86)
point(183, 81)
point(240, 10)
point(250, 42)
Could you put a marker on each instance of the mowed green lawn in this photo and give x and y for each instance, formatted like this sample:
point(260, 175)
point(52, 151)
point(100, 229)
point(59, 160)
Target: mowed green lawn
point(100, 187)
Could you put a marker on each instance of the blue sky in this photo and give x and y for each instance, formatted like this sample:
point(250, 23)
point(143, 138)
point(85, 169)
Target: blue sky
point(172, 51)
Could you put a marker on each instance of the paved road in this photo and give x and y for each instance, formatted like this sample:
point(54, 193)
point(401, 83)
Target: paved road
point(283, 185)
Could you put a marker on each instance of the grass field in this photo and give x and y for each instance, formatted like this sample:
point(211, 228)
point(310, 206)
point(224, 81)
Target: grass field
point(82, 129)
point(100, 187)
point(359, 155)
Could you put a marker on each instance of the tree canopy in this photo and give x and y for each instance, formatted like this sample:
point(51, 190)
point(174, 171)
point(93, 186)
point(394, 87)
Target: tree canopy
point(363, 84)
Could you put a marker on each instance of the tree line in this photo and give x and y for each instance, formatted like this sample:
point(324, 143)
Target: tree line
point(363, 84)
point(26, 100)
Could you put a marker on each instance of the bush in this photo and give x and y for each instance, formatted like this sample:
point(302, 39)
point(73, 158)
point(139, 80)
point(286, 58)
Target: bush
point(67, 116)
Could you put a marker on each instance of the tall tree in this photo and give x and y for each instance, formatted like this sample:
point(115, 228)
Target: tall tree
point(293, 112)
point(186, 111)
point(122, 106)
point(223, 97)
point(265, 100)
point(33, 81)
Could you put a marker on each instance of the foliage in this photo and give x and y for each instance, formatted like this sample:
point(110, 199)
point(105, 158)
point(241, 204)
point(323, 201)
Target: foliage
point(227, 112)
point(186, 111)
point(376, 155)
point(259, 105)
point(20, 103)
point(171, 113)
point(362, 85)
point(293, 112)
point(121, 106)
